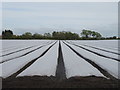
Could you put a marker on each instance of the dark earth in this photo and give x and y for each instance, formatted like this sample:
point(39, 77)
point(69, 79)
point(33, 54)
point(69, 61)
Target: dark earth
point(53, 82)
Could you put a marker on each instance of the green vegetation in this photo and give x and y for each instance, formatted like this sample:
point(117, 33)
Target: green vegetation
point(65, 35)
point(62, 35)
point(90, 34)
point(7, 34)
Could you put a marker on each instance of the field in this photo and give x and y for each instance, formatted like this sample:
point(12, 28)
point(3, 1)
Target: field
point(60, 63)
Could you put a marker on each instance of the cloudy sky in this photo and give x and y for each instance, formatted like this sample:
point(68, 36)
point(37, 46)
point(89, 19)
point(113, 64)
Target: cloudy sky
point(39, 17)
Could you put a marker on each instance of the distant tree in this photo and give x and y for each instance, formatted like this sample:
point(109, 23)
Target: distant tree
point(47, 35)
point(114, 37)
point(27, 35)
point(75, 36)
point(55, 35)
point(88, 34)
point(85, 33)
point(65, 35)
point(7, 34)
point(61, 35)
point(93, 34)
point(98, 35)
point(37, 36)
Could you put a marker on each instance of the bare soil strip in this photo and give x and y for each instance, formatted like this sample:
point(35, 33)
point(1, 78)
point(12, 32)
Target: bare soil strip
point(23, 54)
point(60, 71)
point(104, 72)
point(36, 82)
point(28, 64)
point(17, 51)
point(96, 53)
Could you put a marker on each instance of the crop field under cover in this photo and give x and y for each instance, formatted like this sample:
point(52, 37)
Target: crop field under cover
point(62, 59)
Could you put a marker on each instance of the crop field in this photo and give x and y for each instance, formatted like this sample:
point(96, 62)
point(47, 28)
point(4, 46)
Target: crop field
point(59, 63)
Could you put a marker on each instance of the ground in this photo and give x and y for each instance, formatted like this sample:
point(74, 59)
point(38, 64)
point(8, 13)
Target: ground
point(53, 82)
point(60, 80)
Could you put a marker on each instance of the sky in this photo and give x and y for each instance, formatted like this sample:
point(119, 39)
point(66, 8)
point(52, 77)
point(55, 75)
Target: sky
point(41, 17)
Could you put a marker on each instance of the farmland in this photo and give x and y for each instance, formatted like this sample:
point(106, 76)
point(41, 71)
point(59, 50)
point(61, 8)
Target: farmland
point(60, 63)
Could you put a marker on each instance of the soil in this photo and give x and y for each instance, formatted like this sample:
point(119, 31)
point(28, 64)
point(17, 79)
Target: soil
point(52, 82)
point(60, 71)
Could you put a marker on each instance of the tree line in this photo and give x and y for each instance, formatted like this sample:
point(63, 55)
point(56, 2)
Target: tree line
point(61, 35)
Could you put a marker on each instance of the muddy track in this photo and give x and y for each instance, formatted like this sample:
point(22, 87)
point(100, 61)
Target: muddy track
point(60, 71)
point(96, 53)
point(17, 51)
point(28, 64)
point(101, 49)
point(23, 54)
point(104, 72)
